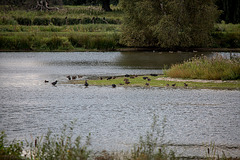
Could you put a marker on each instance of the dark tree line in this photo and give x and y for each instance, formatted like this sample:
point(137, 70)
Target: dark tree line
point(45, 4)
point(231, 10)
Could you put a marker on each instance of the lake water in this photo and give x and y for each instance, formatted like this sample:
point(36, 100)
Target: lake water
point(115, 117)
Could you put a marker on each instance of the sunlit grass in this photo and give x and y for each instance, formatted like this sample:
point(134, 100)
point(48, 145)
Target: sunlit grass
point(155, 82)
point(216, 68)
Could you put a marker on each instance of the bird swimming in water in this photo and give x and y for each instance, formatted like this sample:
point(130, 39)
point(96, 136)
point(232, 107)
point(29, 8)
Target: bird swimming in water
point(46, 81)
point(113, 85)
point(54, 83)
point(86, 84)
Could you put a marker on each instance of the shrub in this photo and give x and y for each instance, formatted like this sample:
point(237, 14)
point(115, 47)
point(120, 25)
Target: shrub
point(73, 21)
point(58, 21)
point(41, 21)
point(24, 21)
point(226, 40)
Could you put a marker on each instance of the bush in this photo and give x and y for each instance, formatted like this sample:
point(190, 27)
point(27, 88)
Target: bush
point(41, 21)
point(226, 40)
point(58, 21)
point(73, 21)
point(24, 21)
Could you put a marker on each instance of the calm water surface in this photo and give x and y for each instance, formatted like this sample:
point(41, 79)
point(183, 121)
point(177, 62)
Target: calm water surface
point(114, 117)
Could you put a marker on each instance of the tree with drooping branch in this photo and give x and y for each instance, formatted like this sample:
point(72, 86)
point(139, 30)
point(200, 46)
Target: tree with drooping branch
point(168, 23)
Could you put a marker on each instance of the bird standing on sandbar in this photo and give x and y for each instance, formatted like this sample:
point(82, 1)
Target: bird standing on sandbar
point(86, 84)
point(54, 83)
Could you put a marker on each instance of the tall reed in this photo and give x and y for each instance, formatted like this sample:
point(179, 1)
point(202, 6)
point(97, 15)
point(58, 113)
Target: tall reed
point(215, 68)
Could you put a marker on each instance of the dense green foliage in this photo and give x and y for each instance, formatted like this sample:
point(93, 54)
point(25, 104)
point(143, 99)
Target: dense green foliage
point(167, 23)
point(216, 68)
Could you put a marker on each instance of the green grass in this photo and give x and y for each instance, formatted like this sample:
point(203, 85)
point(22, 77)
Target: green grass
point(63, 41)
point(216, 68)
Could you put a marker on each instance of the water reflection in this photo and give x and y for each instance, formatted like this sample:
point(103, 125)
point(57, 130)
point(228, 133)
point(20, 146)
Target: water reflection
point(154, 60)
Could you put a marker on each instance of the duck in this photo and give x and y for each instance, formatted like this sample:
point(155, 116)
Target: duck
point(109, 78)
point(174, 84)
point(46, 81)
point(54, 83)
point(147, 84)
point(74, 77)
point(86, 84)
point(185, 84)
point(69, 77)
point(113, 85)
point(145, 78)
point(127, 82)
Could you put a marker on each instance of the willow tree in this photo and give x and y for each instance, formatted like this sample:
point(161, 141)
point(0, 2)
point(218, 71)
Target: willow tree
point(168, 23)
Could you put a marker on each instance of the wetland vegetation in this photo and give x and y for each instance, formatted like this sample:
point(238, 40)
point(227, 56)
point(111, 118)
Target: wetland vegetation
point(65, 146)
point(84, 28)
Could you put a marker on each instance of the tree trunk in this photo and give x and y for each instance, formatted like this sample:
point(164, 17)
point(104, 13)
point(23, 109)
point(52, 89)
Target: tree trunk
point(106, 5)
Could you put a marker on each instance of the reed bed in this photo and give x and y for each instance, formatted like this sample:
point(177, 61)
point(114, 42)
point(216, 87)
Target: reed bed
point(216, 68)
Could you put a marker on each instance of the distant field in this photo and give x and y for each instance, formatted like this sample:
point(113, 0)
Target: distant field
point(86, 23)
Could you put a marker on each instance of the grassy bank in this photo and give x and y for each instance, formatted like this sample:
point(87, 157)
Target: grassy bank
point(93, 28)
point(158, 81)
point(216, 68)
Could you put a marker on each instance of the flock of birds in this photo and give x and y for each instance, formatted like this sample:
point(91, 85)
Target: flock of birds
point(126, 80)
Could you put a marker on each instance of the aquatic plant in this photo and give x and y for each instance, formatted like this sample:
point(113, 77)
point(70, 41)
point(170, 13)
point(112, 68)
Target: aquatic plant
point(10, 150)
point(61, 147)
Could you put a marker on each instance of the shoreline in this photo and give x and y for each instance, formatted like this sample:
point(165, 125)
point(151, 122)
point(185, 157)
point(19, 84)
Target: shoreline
point(137, 49)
